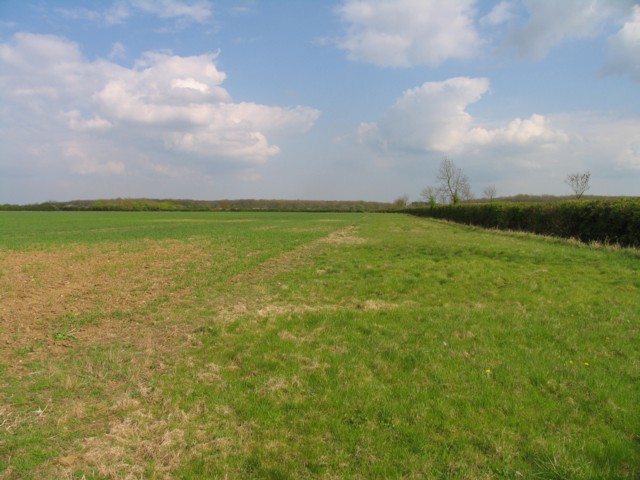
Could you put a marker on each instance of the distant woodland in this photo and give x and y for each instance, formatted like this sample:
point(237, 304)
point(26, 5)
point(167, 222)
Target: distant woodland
point(168, 205)
point(273, 205)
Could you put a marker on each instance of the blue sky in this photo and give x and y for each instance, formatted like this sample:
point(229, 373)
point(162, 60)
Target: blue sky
point(351, 99)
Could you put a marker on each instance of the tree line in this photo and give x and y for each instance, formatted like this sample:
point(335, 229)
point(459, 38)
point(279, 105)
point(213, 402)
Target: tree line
point(174, 205)
point(452, 186)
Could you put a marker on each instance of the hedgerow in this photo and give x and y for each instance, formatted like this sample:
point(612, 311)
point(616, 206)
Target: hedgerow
point(608, 221)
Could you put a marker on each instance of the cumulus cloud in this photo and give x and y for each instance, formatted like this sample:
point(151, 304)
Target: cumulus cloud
point(433, 118)
point(402, 33)
point(47, 67)
point(533, 132)
point(532, 153)
point(405, 33)
point(165, 89)
point(551, 22)
point(624, 48)
point(172, 103)
point(430, 117)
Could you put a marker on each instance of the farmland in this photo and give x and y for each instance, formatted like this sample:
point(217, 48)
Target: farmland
point(312, 345)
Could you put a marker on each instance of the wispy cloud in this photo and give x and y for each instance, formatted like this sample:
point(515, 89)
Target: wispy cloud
point(118, 51)
point(115, 14)
point(198, 11)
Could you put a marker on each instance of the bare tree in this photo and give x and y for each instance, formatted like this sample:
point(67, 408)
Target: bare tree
point(430, 195)
point(579, 182)
point(489, 192)
point(401, 201)
point(453, 183)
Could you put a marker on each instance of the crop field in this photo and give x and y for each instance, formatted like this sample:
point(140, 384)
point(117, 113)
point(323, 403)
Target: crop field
point(312, 345)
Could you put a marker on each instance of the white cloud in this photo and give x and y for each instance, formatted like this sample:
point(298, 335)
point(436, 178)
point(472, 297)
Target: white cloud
point(253, 147)
point(433, 118)
point(236, 130)
point(155, 90)
point(79, 124)
point(402, 33)
point(183, 96)
point(499, 14)
point(190, 83)
point(523, 155)
point(531, 132)
point(193, 11)
point(47, 67)
point(607, 140)
point(117, 13)
point(79, 13)
point(405, 33)
point(165, 102)
point(624, 47)
point(114, 15)
point(118, 51)
point(605, 145)
point(550, 22)
point(82, 163)
point(197, 11)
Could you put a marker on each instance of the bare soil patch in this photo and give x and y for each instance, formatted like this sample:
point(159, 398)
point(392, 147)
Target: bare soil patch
point(80, 293)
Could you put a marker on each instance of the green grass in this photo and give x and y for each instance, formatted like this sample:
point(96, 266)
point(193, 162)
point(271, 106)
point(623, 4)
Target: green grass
point(328, 346)
point(31, 230)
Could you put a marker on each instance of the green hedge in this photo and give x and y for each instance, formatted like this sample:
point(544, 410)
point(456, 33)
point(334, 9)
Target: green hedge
point(607, 221)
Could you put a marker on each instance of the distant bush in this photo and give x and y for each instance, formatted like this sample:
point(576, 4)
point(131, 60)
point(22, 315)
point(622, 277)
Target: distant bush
point(607, 221)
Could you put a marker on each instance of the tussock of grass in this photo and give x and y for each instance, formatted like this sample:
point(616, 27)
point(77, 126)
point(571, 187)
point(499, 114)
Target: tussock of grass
point(329, 346)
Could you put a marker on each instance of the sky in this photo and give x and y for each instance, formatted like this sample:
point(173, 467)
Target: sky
point(309, 99)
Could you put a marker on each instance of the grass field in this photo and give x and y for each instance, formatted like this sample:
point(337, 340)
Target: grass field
point(239, 345)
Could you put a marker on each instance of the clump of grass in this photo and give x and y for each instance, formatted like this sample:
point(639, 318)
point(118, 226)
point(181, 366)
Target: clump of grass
point(65, 335)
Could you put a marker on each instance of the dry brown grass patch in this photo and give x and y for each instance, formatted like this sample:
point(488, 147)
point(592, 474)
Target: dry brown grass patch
point(114, 287)
point(345, 236)
point(41, 290)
